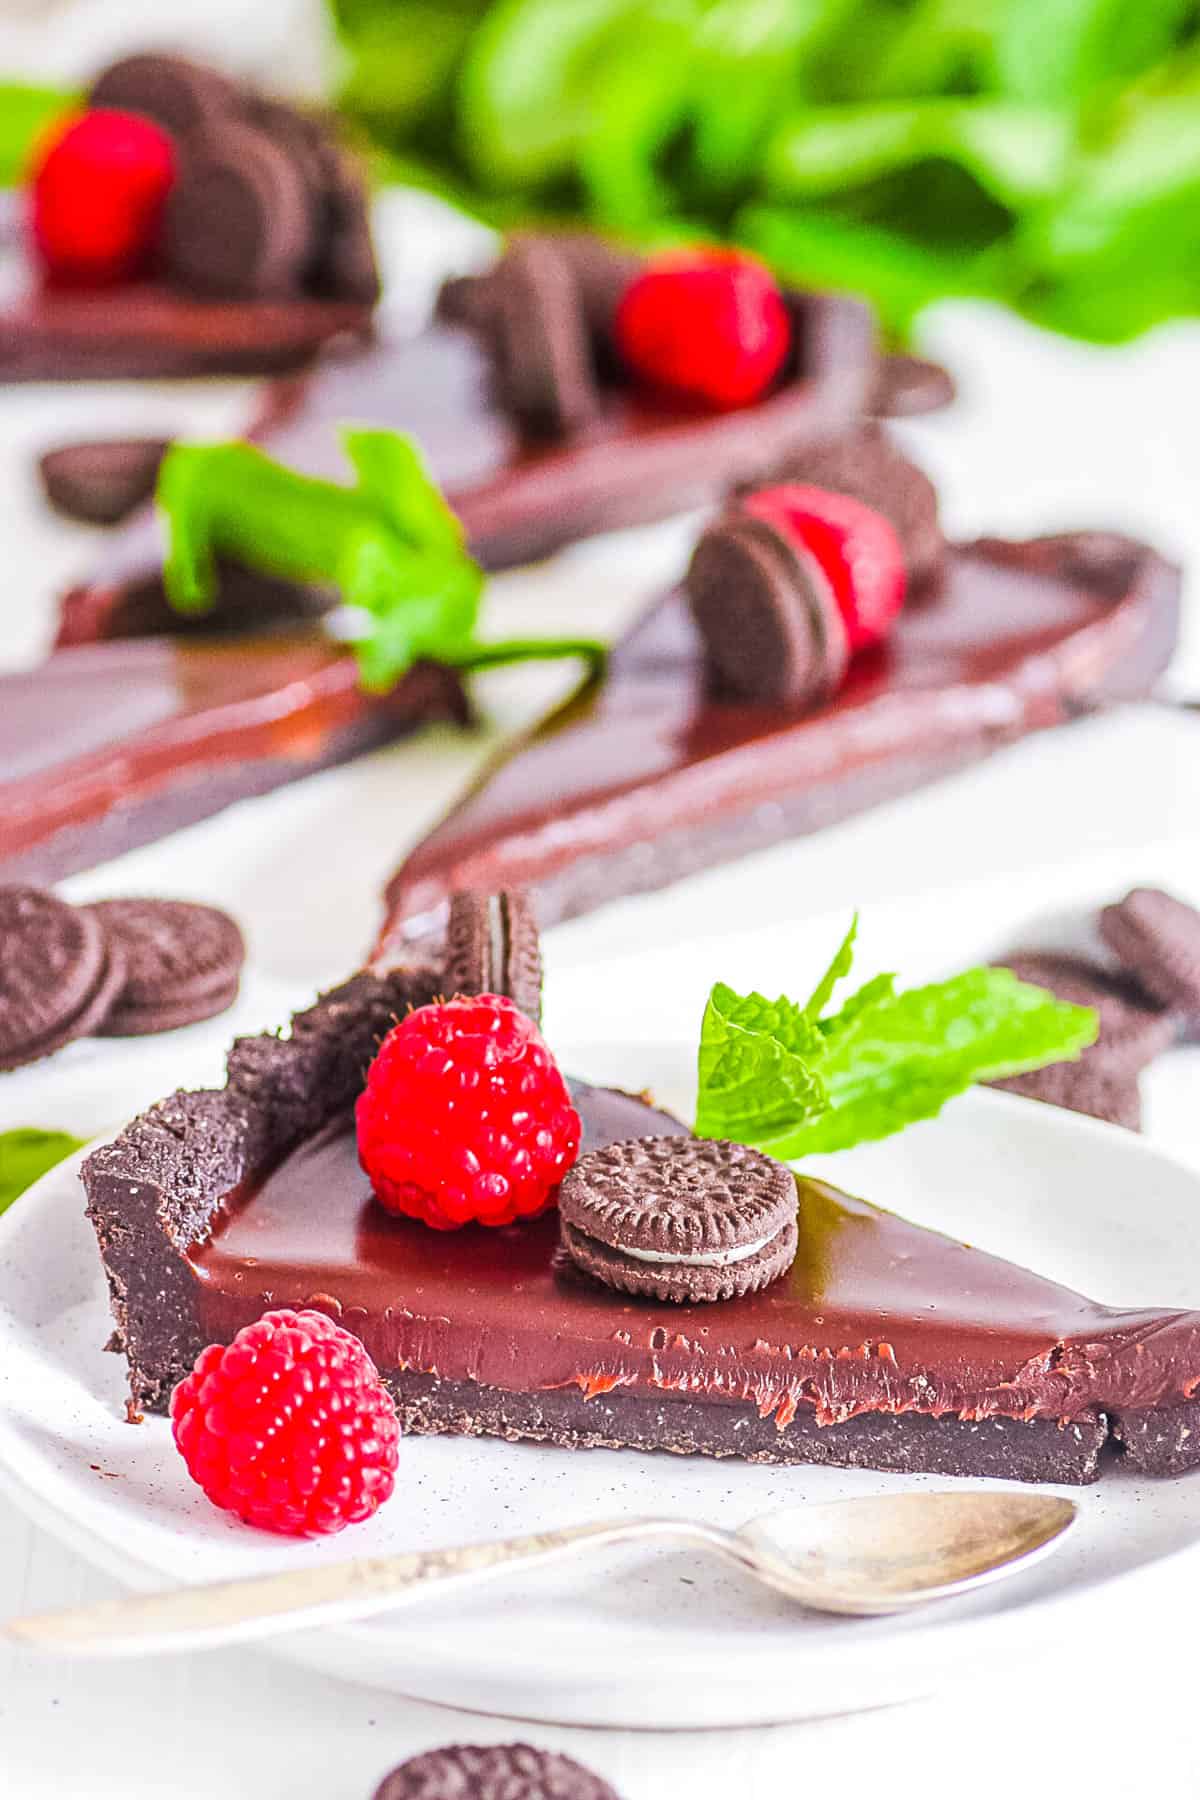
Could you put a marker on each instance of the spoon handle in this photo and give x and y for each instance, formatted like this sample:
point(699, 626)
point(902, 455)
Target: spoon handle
point(259, 1606)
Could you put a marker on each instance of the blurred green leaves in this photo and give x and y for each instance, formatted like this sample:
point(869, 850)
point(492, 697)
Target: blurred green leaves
point(25, 113)
point(1044, 152)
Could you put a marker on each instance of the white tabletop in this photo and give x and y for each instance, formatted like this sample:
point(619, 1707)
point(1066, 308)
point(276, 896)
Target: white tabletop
point(1068, 818)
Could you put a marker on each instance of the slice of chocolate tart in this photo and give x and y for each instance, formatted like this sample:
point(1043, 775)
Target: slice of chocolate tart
point(110, 746)
point(520, 494)
point(885, 1346)
point(653, 774)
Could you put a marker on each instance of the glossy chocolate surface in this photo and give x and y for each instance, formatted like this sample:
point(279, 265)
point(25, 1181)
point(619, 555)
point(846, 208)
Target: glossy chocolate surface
point(876, 1315)
point(151, 330)
point(642, 458)
point(651, 776)
point(110, 745)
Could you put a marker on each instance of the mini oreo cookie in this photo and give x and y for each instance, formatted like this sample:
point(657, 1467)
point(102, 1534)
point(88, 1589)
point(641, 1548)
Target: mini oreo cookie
point(101, 482)
point(346, 266)
point(1132, 1033)
point(1081, 1087)
point(867, 465)
point(239, 218)
point(770, 625)
point(59, 974)
point(679, 1218)
point(492, 947)
point(492, 1772)
point(1157, 939)
point(182, 963)
point(542, 348)
point(174, 91)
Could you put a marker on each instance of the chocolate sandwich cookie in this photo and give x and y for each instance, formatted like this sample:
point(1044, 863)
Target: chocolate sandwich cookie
point(1083, 1087)
point(770, 625)
point(100, 482)
point(346, 266)
point(492, 947)
point(682, 1219)
point(172, 90)
point(239, 219)
point(1132, 1032)
point(867, 465)
point(492, 1772)
point(1157, 939)
point(543, 353)
point(59, 974)
point(182, 962)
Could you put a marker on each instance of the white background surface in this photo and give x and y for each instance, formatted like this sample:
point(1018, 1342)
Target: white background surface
point(1071, 817)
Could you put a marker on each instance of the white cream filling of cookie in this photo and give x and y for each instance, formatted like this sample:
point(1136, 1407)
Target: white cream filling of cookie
point(701, 1259)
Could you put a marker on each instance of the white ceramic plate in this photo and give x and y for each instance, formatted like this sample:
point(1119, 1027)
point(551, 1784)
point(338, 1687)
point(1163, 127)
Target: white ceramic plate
point(651, 1640)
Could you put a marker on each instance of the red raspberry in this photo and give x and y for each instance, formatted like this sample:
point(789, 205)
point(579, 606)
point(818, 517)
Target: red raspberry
point(708, 323)
point(465, 1116)
point(289, 1426)
point(856, 547)
point(98, 196)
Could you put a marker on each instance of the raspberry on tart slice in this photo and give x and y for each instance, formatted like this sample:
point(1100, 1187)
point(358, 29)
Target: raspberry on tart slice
point(465, 1117)
point(98, 197)
point(711, 324)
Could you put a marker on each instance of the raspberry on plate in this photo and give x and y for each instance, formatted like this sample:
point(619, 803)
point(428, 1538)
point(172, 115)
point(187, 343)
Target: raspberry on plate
point(712, 324)
point(289, 1426)
point(98, 195)
point(857, 550)
point(465, 1117)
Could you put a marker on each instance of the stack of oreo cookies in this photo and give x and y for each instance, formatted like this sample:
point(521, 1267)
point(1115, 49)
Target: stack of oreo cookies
point(545, 313)
point(1147, 1000)
point(120, 968)
point(266, 204)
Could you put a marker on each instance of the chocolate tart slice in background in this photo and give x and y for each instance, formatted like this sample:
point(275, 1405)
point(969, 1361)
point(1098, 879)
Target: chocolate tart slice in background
point(641, 457)
point(651, 776)
point(886, 1345)
point(114, 745)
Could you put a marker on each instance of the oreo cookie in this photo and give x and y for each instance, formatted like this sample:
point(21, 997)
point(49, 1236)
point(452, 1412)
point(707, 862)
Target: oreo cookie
point(492, 947)
point(768, 619)
point(239, 218)
point(99, 483)
point(172, 90)
point(1083, 1087)
point(492, 1772)
point(543, 353)
point(867, 465)
point(182, 963)
point(678, 1218)
point(346, 267)
point(1132, 1032)
point(59, 975)
point(1157, 939)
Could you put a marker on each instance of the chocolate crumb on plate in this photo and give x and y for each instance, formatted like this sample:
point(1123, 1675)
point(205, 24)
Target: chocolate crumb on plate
point(680, 1219)
point(492, 1772)
point(101, 482)
point(1157, 939)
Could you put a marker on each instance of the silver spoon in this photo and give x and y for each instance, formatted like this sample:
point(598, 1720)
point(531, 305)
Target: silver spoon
point(849, 1556)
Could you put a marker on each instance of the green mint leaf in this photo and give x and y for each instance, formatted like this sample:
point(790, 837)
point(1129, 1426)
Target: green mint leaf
point(757, 1072)
point(857, 1010)
point(25, 1156)
point(838, 969)
point(909, 1055)
point(26, 113)
point(389, 544)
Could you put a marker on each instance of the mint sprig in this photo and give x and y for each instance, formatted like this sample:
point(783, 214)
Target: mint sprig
point(797, 1081)
point(26, 1154)
point(389, 544)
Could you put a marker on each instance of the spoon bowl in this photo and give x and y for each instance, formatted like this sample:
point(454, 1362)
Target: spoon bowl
point(886, 1554)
